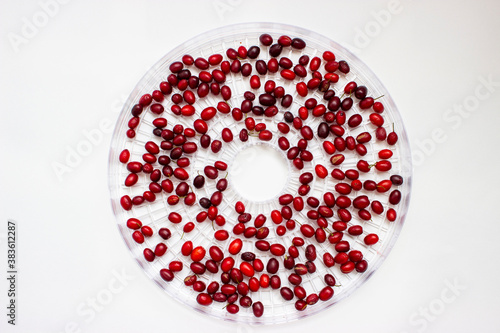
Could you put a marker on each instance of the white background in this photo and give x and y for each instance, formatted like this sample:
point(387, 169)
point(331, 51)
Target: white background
point(72, 74)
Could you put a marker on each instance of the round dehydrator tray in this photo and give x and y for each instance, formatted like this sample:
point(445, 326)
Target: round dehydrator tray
point(155, 214)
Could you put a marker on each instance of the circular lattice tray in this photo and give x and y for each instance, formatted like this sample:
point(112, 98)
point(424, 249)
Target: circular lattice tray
point(155, 214)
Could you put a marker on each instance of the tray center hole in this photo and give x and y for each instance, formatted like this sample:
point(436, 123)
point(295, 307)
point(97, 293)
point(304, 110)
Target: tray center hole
point(259, 172)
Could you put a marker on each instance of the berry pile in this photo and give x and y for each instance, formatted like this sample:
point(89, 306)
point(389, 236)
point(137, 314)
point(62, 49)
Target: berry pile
point(251, 251)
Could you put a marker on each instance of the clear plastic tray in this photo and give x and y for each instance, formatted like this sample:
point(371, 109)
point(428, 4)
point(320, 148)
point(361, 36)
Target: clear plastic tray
point(155, 214)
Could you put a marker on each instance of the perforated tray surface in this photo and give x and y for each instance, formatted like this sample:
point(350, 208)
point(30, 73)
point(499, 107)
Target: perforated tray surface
point(155, 214)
